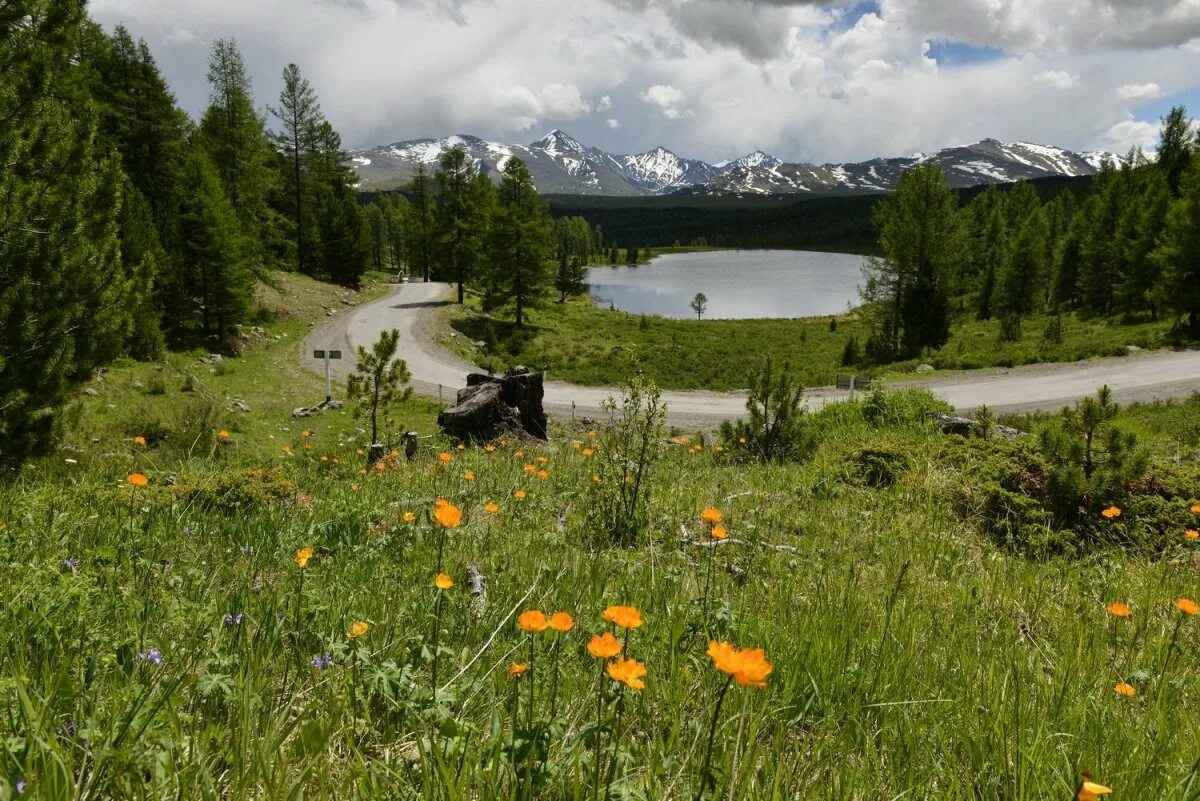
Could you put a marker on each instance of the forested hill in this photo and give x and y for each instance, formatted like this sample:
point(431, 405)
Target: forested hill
point(840, 223)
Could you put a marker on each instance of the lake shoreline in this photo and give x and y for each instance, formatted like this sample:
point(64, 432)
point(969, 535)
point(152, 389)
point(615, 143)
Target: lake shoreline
point(738, 284)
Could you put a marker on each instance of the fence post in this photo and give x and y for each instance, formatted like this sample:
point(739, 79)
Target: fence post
point(852, 378)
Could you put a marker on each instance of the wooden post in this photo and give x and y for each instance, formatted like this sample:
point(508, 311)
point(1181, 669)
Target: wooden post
point(410, 445)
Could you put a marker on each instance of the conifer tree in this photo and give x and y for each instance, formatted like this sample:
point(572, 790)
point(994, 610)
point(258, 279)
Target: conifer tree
point(1177, 142)
point(519, 241)
point(216, 275)
point(342, 229)
point(920, 236)
point(300, 119)
point(420, 225)
point(457, 220)
point(1179, 254)
point(235, 139)
point(63, 285)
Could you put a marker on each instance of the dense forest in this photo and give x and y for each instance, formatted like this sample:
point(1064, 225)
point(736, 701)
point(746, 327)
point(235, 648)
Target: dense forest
point(1128, 248)
point(127, 227)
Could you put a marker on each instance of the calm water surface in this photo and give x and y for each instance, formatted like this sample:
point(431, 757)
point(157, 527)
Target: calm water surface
point(739, 284)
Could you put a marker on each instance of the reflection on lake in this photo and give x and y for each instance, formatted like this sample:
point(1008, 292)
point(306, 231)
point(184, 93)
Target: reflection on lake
point(739, 284)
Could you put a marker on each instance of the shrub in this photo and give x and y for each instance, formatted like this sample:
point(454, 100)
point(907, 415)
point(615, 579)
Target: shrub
point(885, 407)
point(630, 447)
point(777, 429)
point(1091, 458)
point(877, 467)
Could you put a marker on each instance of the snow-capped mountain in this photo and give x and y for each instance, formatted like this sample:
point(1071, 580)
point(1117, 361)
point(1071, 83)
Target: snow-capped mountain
point(561, 164)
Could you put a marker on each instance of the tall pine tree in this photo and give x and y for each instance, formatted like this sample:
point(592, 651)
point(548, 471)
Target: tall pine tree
point(300, 118)
point(520, 241)
point(63, 286)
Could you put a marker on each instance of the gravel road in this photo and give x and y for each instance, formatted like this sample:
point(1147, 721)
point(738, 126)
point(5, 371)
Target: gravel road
point(412, 308)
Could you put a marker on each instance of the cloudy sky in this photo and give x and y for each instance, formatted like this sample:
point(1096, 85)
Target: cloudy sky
point(819, 81)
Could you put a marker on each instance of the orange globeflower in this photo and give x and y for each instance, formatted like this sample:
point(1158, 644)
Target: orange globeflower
point(753, 668)
point(587, 451)
point(719, 532)
point(562, 621)
point(1118, 609)
point(302, 556)
point(409, 517)
point(469, 476)
point(489, 447)
point(533, 621)
point(604, 646)
point(357, 629)
point(1126, 690)
point(443, 581)
point(448, 515)
point(139, 440)
point(1196, 508)
point(1187, 606)
point(519, 495)
point(1111, 512)
point(223, 434)
point(491, 508)
point(626, 617)
point(748, 667)
point(711, 516)
point(530, 469)
point(542, 474)
point(138, 479)
point(1192, 534)
point(517, 668)
point(444, 457)
point(724, 656)
point(627, 671)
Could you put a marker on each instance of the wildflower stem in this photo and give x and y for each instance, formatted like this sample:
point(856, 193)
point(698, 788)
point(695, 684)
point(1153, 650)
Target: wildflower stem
point(599, 731)
point(554, 679)
point(530, 734)
point(437, 631)
point(705, 777)
point(1162, 677)
point(616, 740)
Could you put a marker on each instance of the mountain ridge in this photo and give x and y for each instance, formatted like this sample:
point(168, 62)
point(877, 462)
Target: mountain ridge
point(561, 164)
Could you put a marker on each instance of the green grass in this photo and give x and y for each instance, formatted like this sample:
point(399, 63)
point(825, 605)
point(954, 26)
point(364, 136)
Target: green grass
point(584, 344)
point(912, 657)
point(180, 403)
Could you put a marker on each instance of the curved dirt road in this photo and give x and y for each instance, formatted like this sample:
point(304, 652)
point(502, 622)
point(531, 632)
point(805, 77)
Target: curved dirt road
point(1041, 387)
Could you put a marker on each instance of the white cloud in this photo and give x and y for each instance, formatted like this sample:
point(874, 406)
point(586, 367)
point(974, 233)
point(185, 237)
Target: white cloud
point(671, 102)
point(1130, 133)
point(562, 101)
point(1057, 79)
point(1053, 25)
point(815, 85)
point(1139, 91)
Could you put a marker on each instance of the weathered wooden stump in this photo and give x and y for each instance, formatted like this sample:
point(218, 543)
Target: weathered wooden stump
point(492, 406)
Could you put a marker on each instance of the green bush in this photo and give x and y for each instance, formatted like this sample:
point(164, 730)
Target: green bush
point(877, 467)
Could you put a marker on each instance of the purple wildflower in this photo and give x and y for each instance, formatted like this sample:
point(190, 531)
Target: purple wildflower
point(233, 620)
point(188, 529)
point(246, 549)
point(153, 656)
point(71, 562)
point(323, 661)
point(20, 786)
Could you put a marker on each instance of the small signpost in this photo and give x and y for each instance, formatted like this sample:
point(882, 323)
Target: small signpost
point(853, 382)
point(327, 355)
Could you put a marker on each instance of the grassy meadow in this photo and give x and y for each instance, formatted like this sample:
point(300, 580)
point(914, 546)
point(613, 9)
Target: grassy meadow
point(178, 638)
point(584, 344)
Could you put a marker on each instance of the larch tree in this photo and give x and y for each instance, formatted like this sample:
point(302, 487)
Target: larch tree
point(520, 241)
point(235, 138)
point(63, 285)
point(920, 236)
point(457, 220)
point(300, 118)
